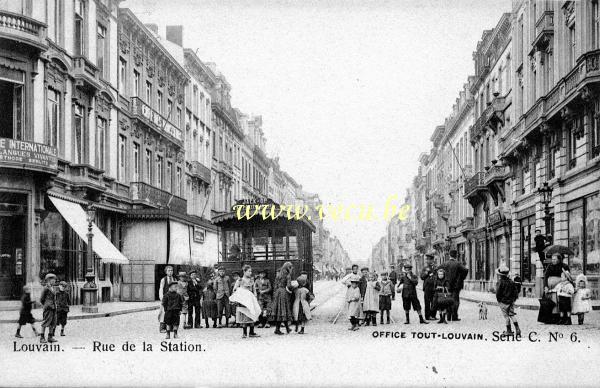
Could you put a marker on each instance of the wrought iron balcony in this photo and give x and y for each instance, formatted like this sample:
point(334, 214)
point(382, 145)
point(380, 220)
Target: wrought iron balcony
point(23, 29)
point(496, 173)
point(156, 121)
point(474, 186)
point(143, 193)
point(200, 171)
point(466, 225)
point(226, 168)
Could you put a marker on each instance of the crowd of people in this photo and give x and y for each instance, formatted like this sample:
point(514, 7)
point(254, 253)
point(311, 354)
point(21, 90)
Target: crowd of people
point(242, 300)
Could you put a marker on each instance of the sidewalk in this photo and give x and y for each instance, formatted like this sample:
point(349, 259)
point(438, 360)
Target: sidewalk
point(104, 310)
point(524, 303)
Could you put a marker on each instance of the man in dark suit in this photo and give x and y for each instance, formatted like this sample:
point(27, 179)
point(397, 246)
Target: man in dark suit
point(194, 289)
point(428, 277)
point(456, 273)
point(393, 276)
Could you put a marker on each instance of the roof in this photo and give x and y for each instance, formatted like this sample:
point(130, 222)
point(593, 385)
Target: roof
point(231, 219)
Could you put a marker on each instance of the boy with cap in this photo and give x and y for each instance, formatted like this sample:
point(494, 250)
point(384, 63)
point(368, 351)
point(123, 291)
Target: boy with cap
point(25, 315)
point(222, 288)
point(194, 290)
point(263, 290)
point(48, 301)
point(172, 303)
point(62, 306)
point(408, 283)
point(182, 290)
point(385, 297)
point(506, 295)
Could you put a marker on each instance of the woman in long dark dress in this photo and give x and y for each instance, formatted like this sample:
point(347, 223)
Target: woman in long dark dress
point(281, 311)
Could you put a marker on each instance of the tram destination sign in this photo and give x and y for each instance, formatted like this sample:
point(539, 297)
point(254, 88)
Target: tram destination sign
point(27, 155)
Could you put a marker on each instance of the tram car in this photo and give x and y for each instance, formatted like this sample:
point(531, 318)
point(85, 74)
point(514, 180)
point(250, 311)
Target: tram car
point(265, 244)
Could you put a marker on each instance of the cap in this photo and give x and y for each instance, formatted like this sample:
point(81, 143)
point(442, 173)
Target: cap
point(503, 270)
point(50, 276)
point(429, 256)
point(182, 274)
point(192, 271)
point(364, 269)
point(407, 265)
point(221, 268)
point(62, 283)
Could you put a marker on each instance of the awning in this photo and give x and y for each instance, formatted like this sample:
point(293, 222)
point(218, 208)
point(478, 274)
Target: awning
point(76, 217)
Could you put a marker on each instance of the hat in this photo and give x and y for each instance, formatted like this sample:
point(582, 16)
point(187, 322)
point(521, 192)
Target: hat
point(384, 274)
point(62, 283)
point(173, 283)
point(408, 265)
point(503, 270)
point(429, 256)
point(302, 279)
point(182, 274)
point(192, 271)
point(50, 276)
point(221, 268)
point(364, 269)
point(581, 278)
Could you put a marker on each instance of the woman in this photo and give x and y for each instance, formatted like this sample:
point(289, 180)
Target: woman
point(553, 273)
point(241, 313)
point(281, 311)
point(441, 302)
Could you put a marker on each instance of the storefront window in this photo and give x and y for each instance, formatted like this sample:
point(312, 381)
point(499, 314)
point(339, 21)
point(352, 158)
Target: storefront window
point(277, 246)
point(52, 242)
point(293, 243)
point(260, 240)
point(592, 236)
point(233, 245)
point(576, 239)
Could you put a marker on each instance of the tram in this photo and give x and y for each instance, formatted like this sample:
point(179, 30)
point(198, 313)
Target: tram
point(265, 243)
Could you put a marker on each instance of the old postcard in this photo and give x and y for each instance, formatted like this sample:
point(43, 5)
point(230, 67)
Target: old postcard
point(299, 193)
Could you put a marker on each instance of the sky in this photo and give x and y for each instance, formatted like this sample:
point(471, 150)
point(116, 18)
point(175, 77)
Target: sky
point(349, 91)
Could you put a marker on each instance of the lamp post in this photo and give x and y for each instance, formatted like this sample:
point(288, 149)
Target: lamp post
point(546, 194)
point(90, 290)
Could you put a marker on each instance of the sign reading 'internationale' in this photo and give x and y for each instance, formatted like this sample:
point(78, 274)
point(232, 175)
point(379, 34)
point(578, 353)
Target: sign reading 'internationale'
point(27, 155)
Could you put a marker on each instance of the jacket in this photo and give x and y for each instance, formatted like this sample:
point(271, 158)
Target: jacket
point(506, 291)
point(222, 287)
point(386, 287)
point(302, 297)
point(263, 288)
point(62, 301)
point(194, 289)
point(441, 285)
point(48, 298)
point(428, 280)
point(362, 286)
point(163, 288)
point(456, 274)
point(393, 277)
point(172, 301)
point(409, 283)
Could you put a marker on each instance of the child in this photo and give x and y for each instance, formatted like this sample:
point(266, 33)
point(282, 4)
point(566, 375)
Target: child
point(172, 303)
point(182, 290)
point(263, 291)
point(565, 291)
point(48, 300)
point(243, 315)
point(301, 307)
point(371, 300)
point(353, 300)
point(408, 285)
point(232, 305)
point(209, 305)
point(506, 295)
point(385, 297)
point(581, 299)
point(62, 306)
point(25, 315)
point(441, 301)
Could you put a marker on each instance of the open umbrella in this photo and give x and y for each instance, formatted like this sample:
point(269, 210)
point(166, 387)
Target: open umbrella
point(562, 249)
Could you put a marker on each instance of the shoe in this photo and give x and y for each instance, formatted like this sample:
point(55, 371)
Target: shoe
point(261, 326)
point(278, 332)
point(42, 339)
point(254, 335)
point(197, 327)
point(355, 328)
point(267, 326)
point(62, 333)
point(175, 335)
point(18, 335)
point(288, 330)
point(421, 320)
point(162, 328)
point(244, 336)
point(351, 327)
point(506, 333)
point(51, 339)
point(168, 336)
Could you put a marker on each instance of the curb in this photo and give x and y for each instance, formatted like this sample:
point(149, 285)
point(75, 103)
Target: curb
point(520, 306)
point(95, 315)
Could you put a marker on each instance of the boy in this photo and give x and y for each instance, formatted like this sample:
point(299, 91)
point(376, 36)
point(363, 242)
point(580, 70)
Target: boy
point(263, 291)
point(385, 297)
point(62, 306)
point(506, 295)
point(163, 288)
point(408, 281)
point(25, 315)
point(172, 304)
point(182, 290)
point(48, 300)
point(222, 288)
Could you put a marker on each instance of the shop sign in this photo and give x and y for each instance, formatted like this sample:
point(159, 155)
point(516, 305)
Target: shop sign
point(199, 234)
point(27, 155)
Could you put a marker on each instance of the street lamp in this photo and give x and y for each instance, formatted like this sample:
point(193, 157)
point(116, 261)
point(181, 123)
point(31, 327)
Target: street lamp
point(546, 193)
point(90, 290)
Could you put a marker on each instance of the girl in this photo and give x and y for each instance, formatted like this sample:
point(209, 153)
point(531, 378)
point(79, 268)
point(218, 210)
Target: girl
point(302, 299)
point(182, 290)
point(385, 297)
point(25, 315)
point(281, 311)
point(564, 290)
point(440, 301)
point(209, 305)
point(241, 313)
point(353, 301)
point(371, 300)
point(581, 299)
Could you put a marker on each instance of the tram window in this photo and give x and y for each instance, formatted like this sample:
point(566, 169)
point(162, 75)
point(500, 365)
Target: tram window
point(277, 246)
point(233, 245)
point(293, 244)
point(260, 241)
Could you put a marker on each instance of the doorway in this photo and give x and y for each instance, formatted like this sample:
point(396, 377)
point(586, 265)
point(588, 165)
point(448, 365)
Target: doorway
point(13, 210)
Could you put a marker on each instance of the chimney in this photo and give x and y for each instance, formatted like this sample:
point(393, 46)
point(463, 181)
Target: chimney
point(175, 35)
point(152, 27)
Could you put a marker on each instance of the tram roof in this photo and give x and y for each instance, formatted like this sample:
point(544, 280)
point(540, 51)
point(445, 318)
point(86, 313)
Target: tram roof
point(230, 219)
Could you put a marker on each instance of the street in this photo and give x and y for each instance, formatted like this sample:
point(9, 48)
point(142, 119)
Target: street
point(327, 353)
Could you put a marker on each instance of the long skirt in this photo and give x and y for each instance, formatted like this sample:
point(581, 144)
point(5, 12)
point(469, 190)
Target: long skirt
point(281, 309)
point(240, 317)
point(301, 316)
point(209, 309)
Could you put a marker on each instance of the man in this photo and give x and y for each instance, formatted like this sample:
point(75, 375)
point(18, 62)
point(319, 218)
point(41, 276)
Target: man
point(540, 244)
point(456, 273)
point(393, 276)
point(163, 288)
point(428, 277)
point(48, 301)
point(222, 289)
point(194, 289)
point(409, 282)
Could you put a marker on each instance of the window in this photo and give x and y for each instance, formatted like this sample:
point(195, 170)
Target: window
point(123, 75)
point(100, 142)
point(178, 182)
point(11, 95)
point(148, 163)
point(159, 172)
point(595, 25)
point(195, 100)
point(572, 45)
point(169, 109)
point(159, 101)
point(595, 135)
point(178, 118)
point(101, 51)
point(572, 130)
point(149, 93)
point(169, 176)
point(136, 83)
point(53, 117)
point(122, 157)
point(79, 28)
point(136, 162)
point(79, 134)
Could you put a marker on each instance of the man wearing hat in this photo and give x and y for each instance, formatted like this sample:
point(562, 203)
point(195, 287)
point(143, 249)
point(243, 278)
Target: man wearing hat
point(393, 276)
point(428, 277)
point(163, 288)
point(456, 273)
point(194, 289)
point(62, 306)
point(222, 287)
point(408, 282)
point(48, 301)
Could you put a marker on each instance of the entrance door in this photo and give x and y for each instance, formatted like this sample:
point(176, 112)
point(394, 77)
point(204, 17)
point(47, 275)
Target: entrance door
point(12, 256)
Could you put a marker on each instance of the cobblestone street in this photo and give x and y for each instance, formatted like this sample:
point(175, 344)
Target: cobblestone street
point(327, 351)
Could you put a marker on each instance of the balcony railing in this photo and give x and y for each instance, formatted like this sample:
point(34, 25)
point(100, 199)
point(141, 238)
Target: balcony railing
point(466, 225)
point(149, 195)
point(156, 121)
point(200, 171)
point(226, 168)
point(475, 183)
point(86, 72)
point(495, 173)
point(544, 29)
point(24, 29)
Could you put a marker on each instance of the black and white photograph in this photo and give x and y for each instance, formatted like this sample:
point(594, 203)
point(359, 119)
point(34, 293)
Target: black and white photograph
point(299, 193)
